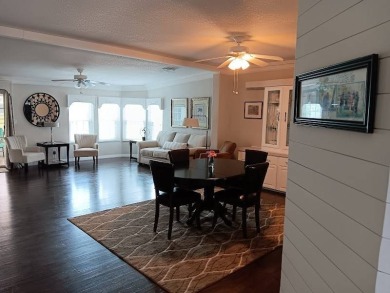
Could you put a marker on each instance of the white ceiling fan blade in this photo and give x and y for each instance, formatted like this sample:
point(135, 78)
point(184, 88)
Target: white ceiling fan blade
point(64, 80)
point(226, 63)
point(209, 59)
point(257, 62)
point(94, 82)
point(268, 57)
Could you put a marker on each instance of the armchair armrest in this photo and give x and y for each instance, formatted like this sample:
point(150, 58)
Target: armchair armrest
point(15, 155)
point(76, 146)
point(147, 144)
point(33, 149)
point(200, 151)
point(96, 146)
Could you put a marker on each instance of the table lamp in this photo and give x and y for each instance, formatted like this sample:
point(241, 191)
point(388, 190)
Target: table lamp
point(194, 122)
point(51, 125)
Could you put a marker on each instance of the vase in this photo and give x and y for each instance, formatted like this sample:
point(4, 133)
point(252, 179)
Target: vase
point(211, 162)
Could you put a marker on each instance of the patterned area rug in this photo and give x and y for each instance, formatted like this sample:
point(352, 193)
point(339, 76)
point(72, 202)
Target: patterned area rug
point(194, 258)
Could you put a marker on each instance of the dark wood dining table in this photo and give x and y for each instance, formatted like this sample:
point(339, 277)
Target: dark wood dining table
point(199, 173)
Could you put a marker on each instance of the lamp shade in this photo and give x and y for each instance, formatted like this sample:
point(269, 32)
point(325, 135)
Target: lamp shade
point(51, 124)
point(191, 122)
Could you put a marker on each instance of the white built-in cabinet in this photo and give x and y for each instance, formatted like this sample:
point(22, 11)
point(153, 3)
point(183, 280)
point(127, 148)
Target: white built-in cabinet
point(275, 135)
point(276, 120)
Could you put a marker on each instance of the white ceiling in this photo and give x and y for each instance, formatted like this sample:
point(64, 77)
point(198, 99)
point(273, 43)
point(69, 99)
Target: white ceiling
point(127, 43)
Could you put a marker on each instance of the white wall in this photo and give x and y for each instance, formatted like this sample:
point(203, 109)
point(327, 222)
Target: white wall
point(336, 235)
point(191, 89)
point(38, 134)
point(233, 125)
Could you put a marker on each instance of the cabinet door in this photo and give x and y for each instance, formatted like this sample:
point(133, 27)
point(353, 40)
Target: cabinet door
point(270, 178)
point(271, 126)
point(287, 114)
point(281, 182)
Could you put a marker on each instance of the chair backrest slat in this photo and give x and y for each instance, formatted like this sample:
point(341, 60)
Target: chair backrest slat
point(254, 177)
point(255, 156)
point(163, 176)
point(180, 157)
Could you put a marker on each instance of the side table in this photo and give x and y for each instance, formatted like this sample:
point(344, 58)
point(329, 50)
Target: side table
point(58, 145)
point(131, 142)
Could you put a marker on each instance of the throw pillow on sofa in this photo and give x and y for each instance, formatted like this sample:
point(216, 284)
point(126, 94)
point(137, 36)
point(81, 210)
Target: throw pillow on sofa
point(171, 145)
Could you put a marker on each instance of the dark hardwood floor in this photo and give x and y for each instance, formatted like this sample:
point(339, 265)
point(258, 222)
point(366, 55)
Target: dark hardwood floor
point(41, 251)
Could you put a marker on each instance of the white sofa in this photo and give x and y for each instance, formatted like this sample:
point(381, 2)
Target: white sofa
point(168, 140)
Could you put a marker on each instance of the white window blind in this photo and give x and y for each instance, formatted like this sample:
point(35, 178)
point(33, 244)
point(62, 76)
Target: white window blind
point(81, 119)
point(134, 117)
point(109, 122)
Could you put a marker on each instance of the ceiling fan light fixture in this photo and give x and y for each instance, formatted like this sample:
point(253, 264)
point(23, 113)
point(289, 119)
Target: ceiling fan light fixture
point(238, 63)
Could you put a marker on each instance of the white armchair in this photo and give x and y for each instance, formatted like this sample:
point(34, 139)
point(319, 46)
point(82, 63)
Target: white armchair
point(20, 153)
point(85, 146)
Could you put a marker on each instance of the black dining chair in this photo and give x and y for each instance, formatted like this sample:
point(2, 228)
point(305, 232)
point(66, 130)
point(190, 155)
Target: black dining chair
point(168, 195)
point(247, 194)
point(255, 157)
point(180, 157)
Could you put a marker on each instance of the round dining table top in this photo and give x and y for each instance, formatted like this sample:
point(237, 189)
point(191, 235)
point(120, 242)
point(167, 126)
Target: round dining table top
point(199, 169)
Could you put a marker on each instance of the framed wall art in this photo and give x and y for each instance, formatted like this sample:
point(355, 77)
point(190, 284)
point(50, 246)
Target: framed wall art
point(41, 107)
point(200, 108)
point(179, 111)
point(253, 110)
point(339, 96)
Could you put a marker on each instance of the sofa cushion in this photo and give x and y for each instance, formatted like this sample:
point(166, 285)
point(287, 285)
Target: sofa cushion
point(164, 136)
point(181, 137)
point(197, 140)
point(161, 154)
point(148, 152)
point(171, 145)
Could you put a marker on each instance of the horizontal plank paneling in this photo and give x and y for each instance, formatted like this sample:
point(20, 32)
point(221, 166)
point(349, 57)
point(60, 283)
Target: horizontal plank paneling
point(386, 225)
point(350, 48)
point(285, 285)
point(322, 12)
point(365, 209)
point(353, 266)
point(295, 279)
point(382, 283)
point(349, 143)
point(312, 278)
point(344, 25)
point(305, 5)
point(384, 261)
point(382, 119)
point(362, 175)
point(356, 237)
point(331, 274)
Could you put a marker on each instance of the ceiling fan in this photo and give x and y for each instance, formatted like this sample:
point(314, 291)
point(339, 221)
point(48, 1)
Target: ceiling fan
point(239, 57)
point(81, 81)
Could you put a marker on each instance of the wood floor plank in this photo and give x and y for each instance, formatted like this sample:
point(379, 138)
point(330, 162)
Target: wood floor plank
point(41, 251)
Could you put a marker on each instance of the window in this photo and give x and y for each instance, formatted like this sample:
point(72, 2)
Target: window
point(155, 119)
point(133, 121)
point(109, 122)
point(81, 119)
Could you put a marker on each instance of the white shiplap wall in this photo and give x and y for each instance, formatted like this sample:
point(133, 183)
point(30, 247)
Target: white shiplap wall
point(337, 225)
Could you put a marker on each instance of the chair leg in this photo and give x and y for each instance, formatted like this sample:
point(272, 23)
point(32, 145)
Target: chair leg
point(178, 213)
point(156, 215)
point(25, 167)
point(257, 217)
point(234, 212)
point(171, 211)
point(244, 222)
point(190, 209)
point(97, 161)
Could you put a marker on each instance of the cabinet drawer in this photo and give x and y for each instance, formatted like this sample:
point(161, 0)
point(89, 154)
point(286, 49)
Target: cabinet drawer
point(272, 160)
